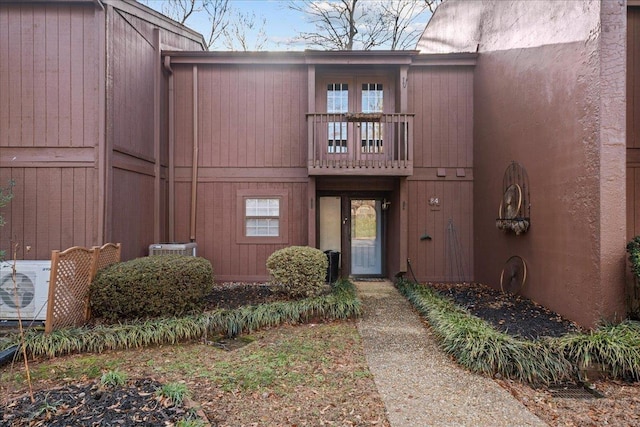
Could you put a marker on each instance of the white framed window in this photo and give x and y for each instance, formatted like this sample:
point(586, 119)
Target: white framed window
point(262, 216)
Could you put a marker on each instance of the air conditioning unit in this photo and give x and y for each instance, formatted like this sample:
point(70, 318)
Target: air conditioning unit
point(173, 249)
point(28, 293)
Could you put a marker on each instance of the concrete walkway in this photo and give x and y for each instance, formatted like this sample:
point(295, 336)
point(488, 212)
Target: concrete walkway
point(419, 384)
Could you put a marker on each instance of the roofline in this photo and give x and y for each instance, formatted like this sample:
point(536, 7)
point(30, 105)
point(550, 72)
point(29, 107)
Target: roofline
point(313, 57)
point(156, 18)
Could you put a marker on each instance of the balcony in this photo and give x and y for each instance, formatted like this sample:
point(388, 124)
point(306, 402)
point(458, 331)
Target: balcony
point(360, 144)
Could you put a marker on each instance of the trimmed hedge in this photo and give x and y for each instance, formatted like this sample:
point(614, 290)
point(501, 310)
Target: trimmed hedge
point(301, 270)
point(155, 286)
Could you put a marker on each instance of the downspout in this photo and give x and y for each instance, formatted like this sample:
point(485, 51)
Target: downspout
point(172, 178)
point(157, 167)
point(194, 168)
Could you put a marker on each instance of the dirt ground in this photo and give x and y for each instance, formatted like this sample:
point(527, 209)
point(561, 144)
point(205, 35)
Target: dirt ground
point(306, 375)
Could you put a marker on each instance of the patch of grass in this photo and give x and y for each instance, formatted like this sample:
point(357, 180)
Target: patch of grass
point(191, 423)
point(48, 408)
point(175, 392)
point(113, 379)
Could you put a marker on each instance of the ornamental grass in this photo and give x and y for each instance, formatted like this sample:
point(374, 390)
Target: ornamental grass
point(479, 347)
point(341, 303)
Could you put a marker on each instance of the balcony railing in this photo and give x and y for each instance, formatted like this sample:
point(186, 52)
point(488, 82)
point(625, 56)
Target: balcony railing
point(360, 144)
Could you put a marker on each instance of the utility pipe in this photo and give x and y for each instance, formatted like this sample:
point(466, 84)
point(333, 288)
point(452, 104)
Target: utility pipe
point(172, 178)
point(194, 168)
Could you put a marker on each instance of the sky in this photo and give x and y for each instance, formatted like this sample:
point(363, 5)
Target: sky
point(281, 23)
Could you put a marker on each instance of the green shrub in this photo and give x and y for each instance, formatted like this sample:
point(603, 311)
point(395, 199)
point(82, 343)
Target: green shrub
point(155, 286)
point(301, 270)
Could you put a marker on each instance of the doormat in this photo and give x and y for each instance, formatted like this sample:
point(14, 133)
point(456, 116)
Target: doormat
point(574, 391)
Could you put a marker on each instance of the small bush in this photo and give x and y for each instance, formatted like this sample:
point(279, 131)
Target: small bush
point(300, 270)
point(156, 286)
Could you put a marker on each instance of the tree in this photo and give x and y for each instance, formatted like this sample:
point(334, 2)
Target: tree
point(362, 24)
point(245, 32)
point(217, 12)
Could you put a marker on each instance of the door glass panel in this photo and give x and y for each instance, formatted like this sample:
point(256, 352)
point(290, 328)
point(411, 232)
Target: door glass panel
point(366, 241)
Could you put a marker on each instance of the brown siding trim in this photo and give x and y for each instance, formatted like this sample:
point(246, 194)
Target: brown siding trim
point(225, 174)
point(24, 157)
point(450, 174)
point(133, 164)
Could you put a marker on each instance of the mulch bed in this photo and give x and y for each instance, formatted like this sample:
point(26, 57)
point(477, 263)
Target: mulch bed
point(138, 405)
point(90, 404)
point(512, 314)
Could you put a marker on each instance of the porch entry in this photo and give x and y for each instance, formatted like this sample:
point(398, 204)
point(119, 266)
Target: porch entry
point(354, 227)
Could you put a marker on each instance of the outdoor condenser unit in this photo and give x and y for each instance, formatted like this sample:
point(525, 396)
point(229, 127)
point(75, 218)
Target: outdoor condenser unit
point(173, 249)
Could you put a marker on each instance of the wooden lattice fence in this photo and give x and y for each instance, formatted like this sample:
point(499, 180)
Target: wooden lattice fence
point(72, 272)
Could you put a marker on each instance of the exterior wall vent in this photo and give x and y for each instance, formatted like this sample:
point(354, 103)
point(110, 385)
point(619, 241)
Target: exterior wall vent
point(173, 249)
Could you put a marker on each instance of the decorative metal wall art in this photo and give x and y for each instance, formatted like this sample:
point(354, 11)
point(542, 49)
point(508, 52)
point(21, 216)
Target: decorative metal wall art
point(514, 213)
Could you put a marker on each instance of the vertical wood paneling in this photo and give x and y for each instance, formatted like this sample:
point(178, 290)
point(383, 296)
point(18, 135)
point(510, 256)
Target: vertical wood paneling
point(64, 71)
point(254, 116)
point(26, 76)
point(4, 76)
point(433, 259)
point(441, 99)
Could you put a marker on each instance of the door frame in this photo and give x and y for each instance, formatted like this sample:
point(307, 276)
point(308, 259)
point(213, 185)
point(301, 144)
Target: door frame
point(345, 230)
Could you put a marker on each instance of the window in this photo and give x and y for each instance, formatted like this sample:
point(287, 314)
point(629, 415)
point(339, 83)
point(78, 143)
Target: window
point(263, 216)
point(337, 102)
point(371, 132)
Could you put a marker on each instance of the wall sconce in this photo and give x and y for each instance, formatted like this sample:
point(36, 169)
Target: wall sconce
point(405, 82)
point(385, 204)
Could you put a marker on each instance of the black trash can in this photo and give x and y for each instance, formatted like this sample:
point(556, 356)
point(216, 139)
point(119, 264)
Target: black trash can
point(333, 265)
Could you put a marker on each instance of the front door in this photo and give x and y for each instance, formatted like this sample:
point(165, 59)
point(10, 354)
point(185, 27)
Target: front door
point(366, 237)
point(352, 226)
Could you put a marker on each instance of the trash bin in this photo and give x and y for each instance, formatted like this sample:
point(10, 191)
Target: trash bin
point(333, 265)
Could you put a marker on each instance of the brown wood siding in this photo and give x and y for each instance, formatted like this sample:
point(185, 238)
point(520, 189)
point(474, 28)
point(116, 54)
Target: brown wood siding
point(633, 122)
point(49, 125)
point(133, 223)
point(52, 208)
point(251, 136)
point(437, 259)
point(252, 117)
point(442, 100)
point(131, 67)
point(217, 216)
point(135, 218)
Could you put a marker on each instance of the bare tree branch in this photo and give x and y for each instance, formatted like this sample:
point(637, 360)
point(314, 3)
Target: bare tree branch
point(179, 10)
point(241, 28)
point(216, 10)
point(432, 4)
point(351, 24)
point(399, 16)
point(335, 22)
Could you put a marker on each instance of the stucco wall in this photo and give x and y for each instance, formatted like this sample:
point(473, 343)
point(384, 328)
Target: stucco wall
point(548, 93)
